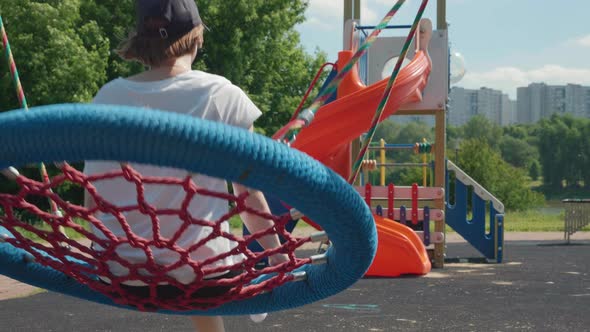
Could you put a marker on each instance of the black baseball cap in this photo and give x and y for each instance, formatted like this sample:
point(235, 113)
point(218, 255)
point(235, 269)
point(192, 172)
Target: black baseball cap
point(169, 19)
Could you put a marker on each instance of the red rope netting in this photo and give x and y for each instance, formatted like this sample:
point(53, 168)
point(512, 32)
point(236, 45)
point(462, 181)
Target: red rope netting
point(79, 258)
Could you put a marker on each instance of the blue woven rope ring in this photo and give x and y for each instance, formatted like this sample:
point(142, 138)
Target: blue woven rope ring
point(75, 132)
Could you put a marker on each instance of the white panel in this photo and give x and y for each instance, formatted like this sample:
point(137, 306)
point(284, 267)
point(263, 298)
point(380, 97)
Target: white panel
point(436, 92)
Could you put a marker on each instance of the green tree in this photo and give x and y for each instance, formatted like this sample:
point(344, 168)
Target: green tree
point(115, 19)
point(508, 183)
point(518, 152)
point(585, 153)
point(64, 50)
point(535, 170)
point(480, 128)
point(60, 57)
point(519, 131)
point(388, 130)
point(257, 48)
point(564, 151)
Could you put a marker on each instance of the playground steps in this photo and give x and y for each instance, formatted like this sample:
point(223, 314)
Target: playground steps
point(485, 209)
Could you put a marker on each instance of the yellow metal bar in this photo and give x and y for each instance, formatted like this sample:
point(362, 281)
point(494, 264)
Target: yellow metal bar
point(424, 170)
point(383, 161)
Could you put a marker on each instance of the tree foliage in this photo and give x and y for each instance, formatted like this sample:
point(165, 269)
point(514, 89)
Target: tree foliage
point(535, 170)
point(393, 132)
point(64, 50)
point(480, 128)
point(518, 152)
point(60, 57)
point(564, 147)
point(504, 181)
point(257, 48)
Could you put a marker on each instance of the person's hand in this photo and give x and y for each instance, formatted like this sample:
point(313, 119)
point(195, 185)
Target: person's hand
point(278, 259)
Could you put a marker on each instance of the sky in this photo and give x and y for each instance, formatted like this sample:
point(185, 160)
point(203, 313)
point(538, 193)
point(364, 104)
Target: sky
point(505, 43)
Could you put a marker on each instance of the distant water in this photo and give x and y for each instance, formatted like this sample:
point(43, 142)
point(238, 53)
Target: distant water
point(551, 210)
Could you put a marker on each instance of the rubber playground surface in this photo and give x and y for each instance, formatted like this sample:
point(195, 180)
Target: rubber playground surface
point(544, 285)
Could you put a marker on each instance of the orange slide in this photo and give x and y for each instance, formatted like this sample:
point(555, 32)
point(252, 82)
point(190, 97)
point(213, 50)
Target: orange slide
point(400, 251)
point(336, 125)
point(340, 122)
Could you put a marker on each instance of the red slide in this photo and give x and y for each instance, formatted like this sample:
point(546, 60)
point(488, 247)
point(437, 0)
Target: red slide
point(337, 124)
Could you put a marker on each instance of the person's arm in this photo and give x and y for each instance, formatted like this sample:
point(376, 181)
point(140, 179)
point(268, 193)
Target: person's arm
point(254, 223)
point(88, 201)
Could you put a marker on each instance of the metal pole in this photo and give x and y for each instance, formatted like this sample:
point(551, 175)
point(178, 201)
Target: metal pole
point(441, 17)
point(383, 160)
point(352, 11)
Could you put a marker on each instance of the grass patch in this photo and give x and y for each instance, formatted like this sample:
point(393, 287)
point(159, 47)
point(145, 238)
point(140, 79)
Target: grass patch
point(533, 221)
point(70, 233)
point(515, 221)
point(235, 222)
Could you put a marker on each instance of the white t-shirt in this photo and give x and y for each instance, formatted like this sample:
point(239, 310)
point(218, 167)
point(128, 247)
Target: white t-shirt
point(198, 94)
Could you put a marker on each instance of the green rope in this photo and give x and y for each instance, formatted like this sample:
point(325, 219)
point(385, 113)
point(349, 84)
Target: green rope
point(308, 114)
point(388, 89)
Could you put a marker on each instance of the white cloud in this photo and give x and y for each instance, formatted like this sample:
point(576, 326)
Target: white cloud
point(508, 79)
point(369, 16)
point(330, 14)
point(583, 41)
point(325, 8)
point(320, 24)
point(324, 15)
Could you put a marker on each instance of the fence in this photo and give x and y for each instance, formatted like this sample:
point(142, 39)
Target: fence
point(577, 216)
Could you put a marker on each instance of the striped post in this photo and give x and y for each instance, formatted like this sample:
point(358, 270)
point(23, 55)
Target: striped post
point(22, 100)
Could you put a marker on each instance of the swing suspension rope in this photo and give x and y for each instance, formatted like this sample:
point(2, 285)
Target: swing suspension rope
point(379, 112)
point(288, 133)
point(23, 104)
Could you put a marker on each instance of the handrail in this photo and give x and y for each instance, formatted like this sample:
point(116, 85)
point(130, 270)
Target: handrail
point(477, 188)
point(310, 88)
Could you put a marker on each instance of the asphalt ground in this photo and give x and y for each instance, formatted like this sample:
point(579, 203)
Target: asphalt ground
point(542, 286)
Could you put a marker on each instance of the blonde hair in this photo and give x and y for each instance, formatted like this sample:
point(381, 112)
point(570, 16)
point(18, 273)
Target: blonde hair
point(153, 51)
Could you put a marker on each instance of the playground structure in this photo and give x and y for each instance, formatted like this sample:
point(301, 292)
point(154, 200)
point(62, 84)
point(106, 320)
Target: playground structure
point(421, 89)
